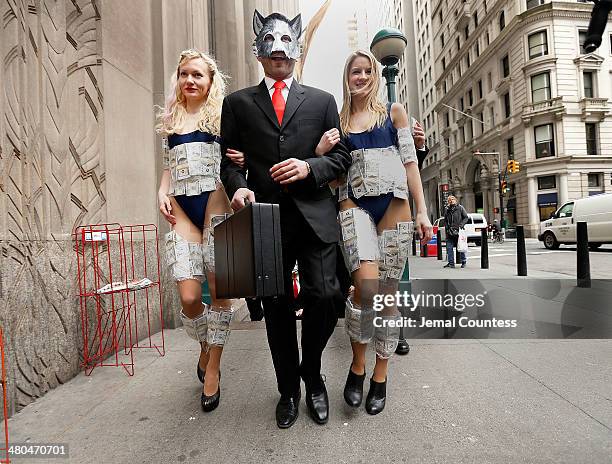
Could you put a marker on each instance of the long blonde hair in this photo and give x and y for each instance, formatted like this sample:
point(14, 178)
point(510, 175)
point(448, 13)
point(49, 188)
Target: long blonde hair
point(172, 116)
point(374, 106)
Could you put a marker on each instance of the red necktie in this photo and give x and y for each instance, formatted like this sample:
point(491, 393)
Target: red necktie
point(278, 102)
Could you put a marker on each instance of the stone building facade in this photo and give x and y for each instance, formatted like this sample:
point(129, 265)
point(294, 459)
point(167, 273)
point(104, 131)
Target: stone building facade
point(80, 79)
point(513, 82)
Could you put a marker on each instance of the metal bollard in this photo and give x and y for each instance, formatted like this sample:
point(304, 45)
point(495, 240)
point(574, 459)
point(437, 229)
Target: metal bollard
point(583, 263)
point(439, 240)
point(484, 249)
point(425, 251)
point(414, 240)
point(521, 252)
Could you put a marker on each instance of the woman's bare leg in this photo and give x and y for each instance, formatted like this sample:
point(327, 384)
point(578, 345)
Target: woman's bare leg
point(398, 211)
point(218, 204)
point(190, 291)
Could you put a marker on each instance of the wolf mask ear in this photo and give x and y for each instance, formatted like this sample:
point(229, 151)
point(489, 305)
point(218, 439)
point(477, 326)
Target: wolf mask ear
point(258, 21)
point(296, 26)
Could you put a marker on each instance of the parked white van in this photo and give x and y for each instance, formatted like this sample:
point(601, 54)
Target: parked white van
point(596, 211)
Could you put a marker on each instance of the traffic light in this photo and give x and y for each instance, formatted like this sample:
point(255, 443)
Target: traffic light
point(513, 166)
point(504, 187)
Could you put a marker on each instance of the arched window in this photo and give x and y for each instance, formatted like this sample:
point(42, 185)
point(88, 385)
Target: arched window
point(502, 20)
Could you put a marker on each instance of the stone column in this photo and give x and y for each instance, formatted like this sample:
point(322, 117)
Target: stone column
point(563, 190)
point(532, 205)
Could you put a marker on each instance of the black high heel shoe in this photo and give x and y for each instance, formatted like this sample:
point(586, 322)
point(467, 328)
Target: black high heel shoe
point(353, 388)
point(210, 403)
point(375, 401)
point(200, 372)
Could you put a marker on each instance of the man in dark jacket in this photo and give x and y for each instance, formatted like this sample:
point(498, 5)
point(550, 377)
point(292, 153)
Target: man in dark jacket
point(455, 218)
point(277, 125)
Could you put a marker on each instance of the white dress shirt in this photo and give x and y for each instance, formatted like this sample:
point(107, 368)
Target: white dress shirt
point(270, 83)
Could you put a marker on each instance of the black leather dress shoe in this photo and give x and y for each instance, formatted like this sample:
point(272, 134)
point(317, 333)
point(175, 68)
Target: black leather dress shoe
point(353, 389)
point(375, 401)
point(402, 348)
point(317, 401)
point(287, 411)
point(210, 403)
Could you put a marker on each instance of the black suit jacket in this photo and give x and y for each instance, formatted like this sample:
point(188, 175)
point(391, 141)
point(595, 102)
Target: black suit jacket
point(249, 124)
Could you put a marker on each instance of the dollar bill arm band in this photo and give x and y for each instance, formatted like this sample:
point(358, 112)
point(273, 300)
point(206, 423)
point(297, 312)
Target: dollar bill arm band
point(407, 149)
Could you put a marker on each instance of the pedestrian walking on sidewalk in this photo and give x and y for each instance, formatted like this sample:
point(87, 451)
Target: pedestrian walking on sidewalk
point(455, 218)
point(192, 199)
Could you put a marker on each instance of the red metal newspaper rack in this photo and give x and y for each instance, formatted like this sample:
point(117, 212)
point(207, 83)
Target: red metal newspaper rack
point(5, 449)
point(119, 293)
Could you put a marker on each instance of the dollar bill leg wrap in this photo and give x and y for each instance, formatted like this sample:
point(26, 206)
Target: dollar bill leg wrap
point(219, 320)
point(386, 337)
point(358, 322)
point(208, 241)
point(196, 328)
point(394, 248)
point(359, 241)
point(395, 245)
point(184, 258)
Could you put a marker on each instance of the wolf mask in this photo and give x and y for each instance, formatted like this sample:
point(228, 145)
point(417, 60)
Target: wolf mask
point(275, 33)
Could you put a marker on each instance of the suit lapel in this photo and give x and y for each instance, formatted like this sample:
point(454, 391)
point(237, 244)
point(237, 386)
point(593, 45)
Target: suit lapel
point(263, 100)
point(294, 100)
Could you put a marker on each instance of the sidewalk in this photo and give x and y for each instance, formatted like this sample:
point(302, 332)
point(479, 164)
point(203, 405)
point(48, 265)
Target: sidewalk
point(432, 268)
point(460, 401)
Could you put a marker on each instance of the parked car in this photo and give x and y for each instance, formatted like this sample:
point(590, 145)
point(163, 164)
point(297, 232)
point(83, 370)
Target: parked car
point(596, 211)
point(476, 222)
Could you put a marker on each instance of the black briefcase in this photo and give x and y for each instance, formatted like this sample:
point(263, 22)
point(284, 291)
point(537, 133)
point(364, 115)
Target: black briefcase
point(248, 253)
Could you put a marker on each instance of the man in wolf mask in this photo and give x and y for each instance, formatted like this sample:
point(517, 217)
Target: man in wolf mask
point(278, 125)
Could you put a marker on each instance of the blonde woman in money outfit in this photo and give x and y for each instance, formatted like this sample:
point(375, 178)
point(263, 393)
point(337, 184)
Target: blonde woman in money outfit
point(193, 201)
point(375, 218)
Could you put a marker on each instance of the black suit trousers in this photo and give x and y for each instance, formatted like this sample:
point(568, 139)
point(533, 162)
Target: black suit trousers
point(319, 294)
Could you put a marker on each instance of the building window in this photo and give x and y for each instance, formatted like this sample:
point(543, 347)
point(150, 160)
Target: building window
point(468, 60)
point(502, 21)
point(470, 97)
point(544, 141)
point(461, 107)
point(466, 32)
point(582, 34)
point(588, 84)
point(538, 44)
point(540, 87)
point(505, 64)
point(507, 106)
point(446, 120)
point(443, 64)
point(475, 19)
point(477, 48)
point(534, 3)
point(442, 39)
point(480, 93)
point(591, 138)
point(482, 126)
point(547, 182)
point(510, 148)
point(594, 180)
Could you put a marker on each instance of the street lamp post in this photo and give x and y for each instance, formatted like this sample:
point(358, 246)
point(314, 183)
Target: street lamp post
point(387, 47)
